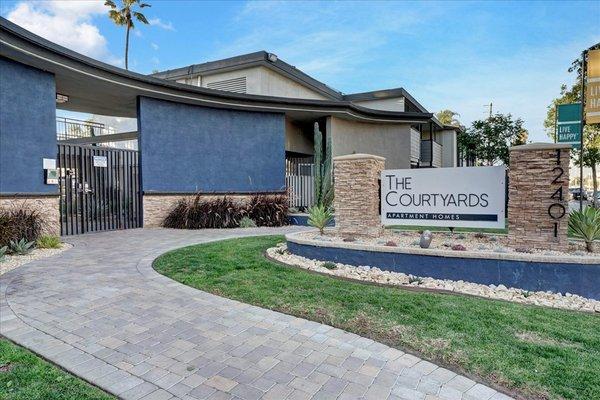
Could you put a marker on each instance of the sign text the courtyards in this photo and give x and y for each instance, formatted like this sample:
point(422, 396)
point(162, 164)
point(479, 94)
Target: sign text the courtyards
point(457, 197)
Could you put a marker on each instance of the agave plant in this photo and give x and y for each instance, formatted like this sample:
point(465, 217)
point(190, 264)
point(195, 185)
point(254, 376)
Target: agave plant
point(21, 247)
point(586, 225)
point(319, 216)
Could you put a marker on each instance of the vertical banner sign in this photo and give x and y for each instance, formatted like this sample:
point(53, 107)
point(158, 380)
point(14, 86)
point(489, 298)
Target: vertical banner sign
point(568, 124)
point(472, 197)
point(592, 90)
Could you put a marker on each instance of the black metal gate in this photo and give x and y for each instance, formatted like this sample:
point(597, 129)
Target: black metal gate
point(99, 189)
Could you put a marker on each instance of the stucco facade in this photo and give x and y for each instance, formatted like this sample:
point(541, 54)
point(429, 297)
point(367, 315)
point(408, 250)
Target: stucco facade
point(28, 127)
point(298, 139)
point(258, 80)
point(186, 149)
point(388, 104)
point(391, 141)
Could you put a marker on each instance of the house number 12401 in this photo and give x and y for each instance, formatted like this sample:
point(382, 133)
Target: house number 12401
point(556, 210)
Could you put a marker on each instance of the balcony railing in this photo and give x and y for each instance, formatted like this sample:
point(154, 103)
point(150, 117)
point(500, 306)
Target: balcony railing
point(415, 146)
point(427, 154)
point(69, 128)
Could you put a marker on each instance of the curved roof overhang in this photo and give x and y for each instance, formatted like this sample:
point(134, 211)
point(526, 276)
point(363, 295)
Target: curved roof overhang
point(99, 88)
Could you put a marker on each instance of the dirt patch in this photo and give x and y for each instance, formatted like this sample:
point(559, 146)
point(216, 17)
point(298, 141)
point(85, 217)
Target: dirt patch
point(6, 368)
point(534, 338)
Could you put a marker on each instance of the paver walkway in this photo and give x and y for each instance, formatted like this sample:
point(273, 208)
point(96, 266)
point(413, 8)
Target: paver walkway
point(100, 311)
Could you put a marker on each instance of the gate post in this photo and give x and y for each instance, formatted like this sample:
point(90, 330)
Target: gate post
point(538, 205)
point(356, 194)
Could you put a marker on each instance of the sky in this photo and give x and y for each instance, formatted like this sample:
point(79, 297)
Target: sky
point(451, 54)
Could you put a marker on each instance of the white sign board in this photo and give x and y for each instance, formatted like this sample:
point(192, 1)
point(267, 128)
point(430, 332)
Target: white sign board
point(100, 161)
point(472, 197)
point(49, 163)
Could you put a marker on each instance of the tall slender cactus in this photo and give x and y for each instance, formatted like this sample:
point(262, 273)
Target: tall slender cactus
point(323, 178)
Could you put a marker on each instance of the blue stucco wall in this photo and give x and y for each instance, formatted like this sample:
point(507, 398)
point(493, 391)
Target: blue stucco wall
point(187, 148)
point(581, 279)
point(27, 128)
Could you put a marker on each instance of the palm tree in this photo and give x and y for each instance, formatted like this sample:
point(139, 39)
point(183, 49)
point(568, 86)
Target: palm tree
point(124, 16)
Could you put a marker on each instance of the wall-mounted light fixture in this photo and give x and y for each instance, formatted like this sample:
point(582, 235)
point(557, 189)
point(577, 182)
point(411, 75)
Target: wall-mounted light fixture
point(272, 57)
point(61, 98)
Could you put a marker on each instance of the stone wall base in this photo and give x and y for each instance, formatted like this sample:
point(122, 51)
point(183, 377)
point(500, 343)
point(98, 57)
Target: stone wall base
point(158, 206)
point(46, 206)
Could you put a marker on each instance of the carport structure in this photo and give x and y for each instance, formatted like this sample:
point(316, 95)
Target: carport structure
point(190, 139)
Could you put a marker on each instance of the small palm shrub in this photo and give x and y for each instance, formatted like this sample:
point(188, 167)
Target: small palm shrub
point(21, 247)
point(247, 222)
point(48, 242)
point(19, 223)
point(319, 216)
point(586, 225)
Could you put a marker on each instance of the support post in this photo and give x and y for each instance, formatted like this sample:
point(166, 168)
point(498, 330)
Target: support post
point(356, 198)
point(538, 205)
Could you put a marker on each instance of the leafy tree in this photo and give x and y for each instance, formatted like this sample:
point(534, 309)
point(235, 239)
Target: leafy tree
point(591, 132)
point(447, 117)
point(124, 17)
point(467, 142)
point(491, 138)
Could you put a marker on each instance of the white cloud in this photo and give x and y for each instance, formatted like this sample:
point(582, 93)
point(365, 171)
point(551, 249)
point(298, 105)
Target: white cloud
point(164, 25)
point(68, 23)
point(154, 46)
point(328, 43)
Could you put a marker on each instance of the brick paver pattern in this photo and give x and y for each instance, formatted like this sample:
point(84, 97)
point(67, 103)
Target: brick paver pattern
point(100, 311)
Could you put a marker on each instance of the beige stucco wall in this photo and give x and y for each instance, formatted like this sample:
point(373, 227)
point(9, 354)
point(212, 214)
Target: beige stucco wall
point(296, 140)
point(391, 141)
point(274, 84)
point(447, 139)
point(391, 104)
point(259, 80)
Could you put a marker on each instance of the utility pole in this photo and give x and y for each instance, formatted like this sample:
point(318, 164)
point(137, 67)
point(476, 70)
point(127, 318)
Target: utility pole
point(490, 106)
point(583, 71)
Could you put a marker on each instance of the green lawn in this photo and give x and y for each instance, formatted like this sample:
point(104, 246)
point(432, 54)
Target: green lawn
point(25, 376)
point(541, 353)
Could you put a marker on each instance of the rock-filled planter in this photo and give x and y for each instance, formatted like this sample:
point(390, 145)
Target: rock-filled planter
point(560, 273)
point(378, 276)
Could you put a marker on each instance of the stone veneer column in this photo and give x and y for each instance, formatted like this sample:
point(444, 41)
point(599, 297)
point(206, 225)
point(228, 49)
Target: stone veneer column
point(356, 188)
point(46, 206)
point(538, 216)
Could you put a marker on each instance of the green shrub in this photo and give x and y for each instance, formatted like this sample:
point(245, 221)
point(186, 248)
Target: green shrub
point(329, 265)
point(247, 222)
point(3, 251)
point(586, 225)
point(19, 223)
point(48, 242)
point(319, 216)
point(21, 247)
